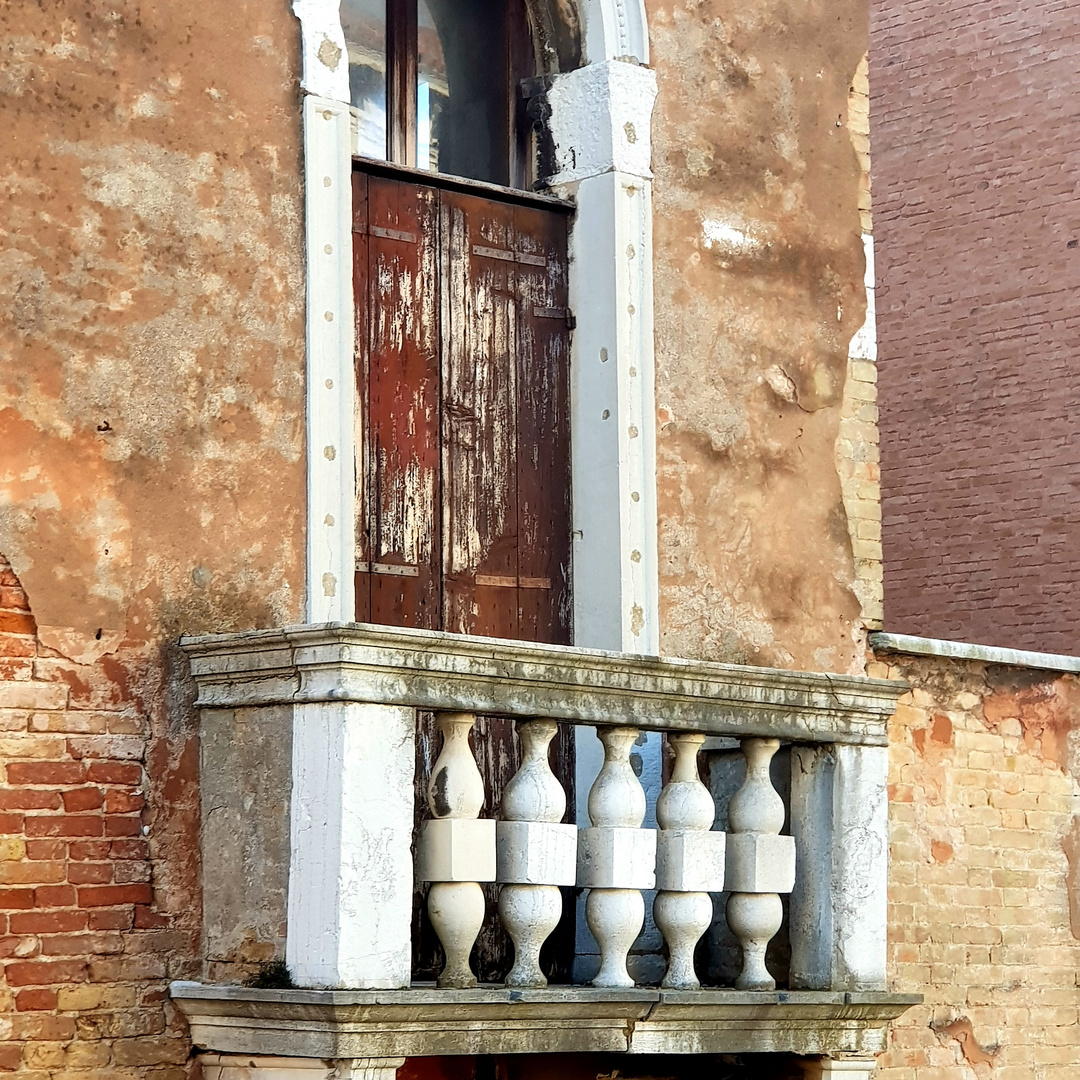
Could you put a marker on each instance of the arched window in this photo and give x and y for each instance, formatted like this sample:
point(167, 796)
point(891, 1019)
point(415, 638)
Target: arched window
point(438, 85)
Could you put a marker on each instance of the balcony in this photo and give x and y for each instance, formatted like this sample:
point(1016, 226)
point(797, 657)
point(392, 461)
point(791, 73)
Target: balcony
point(310, 850)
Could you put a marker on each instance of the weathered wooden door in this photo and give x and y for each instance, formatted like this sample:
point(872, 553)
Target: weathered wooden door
point(463, 344)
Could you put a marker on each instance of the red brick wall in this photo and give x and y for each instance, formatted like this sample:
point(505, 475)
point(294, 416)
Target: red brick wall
point(84, 945)
point(975, 165)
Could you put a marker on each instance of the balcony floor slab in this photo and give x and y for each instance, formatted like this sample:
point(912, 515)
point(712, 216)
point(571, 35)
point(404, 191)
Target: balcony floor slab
point(423, 1021)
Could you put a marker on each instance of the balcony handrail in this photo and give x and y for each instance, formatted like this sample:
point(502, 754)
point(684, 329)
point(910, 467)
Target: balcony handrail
point(432, 670)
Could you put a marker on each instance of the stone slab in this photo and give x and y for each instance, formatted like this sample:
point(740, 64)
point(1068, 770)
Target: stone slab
point(690, 860)
point(456, 849)
point(616, 858)
point(536, 853)
point(571, 1019)
point(760, 863)
point(427, 669)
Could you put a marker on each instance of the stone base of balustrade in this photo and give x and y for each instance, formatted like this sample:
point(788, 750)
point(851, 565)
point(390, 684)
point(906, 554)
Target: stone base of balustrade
point(423, 1021)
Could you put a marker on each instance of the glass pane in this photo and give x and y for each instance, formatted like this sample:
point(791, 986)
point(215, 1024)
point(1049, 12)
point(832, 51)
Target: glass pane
point(364, 23)
point(463, 96)
point(432, 93)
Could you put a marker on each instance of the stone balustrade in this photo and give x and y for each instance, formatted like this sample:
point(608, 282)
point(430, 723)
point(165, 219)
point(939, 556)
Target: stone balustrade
point(326, 717)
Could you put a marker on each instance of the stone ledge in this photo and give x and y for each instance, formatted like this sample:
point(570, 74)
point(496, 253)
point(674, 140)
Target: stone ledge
point(426, 669)
point(965, 650)
point(574, 1019)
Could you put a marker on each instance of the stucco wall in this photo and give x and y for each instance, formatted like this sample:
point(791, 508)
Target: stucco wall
point(151, 475)
point(759, 290)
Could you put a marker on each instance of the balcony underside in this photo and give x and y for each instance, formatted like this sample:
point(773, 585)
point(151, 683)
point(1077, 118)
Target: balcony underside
point(423, 1022)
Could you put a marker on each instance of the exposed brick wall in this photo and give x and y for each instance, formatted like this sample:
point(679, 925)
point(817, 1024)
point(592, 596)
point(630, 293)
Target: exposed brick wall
point(856, 449)
point(984, 878)
point(976, 222)
point(85, 950)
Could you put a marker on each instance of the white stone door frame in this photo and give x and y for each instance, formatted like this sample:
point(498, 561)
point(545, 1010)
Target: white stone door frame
point(600, 124)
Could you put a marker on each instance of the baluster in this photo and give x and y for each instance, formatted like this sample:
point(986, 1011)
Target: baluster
point(616, 857)
point(760, 863)
point(455, 851)
point(689, 862)
point(536, 854)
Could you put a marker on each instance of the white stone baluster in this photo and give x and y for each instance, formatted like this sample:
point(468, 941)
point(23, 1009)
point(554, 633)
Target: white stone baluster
point(456, 851)
point(616, 857)
point(535, 853)
point(689, 862)
point(760, 863)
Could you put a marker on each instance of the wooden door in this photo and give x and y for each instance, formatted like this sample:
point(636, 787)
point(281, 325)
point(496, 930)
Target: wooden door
point(463, 344)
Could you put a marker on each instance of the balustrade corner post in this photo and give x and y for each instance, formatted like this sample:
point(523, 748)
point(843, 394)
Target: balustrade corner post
point(616, 858)
point(535, 853)
point(689, 862)
point(760, 864)
point(349, 909)
point(839, 810)
point(455, 850)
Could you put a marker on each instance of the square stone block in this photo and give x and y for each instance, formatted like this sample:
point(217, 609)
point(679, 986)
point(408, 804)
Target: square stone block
point(616, 858)
point(536, 853)
point(760, 863)
point(456, 849)
point(690, 860)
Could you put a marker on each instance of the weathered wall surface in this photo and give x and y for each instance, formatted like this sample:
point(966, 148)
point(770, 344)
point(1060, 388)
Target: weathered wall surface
point(759, 290)
point(978, 271)
point(151, 477)
point(984, 879)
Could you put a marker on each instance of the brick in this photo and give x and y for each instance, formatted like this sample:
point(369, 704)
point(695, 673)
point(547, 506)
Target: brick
point(47, 922)
point(89, 850)
point(12, 848)
point(30, 1000)
point(90, 873)
point(11, 823)
point(118, 1025)
point(46, 896)
point(46, 772)
point(84, 798)
point(16, 898)
point(113, 772)
point(114, 895)
point(129, 849)
point(13, 798)
point(42, 1026)
point(65, 825)
point(123, 802)
point(116, 747)
point(112, 918)
point(123, 826)
point(127, 969)
point(17, 622)
point(158, 1050)
point(88, 996)
point(101, 943)
point(11, 1056)
point(31, 873)
point(44, 972)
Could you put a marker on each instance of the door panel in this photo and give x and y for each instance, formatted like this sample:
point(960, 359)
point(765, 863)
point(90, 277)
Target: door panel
point(463, 453)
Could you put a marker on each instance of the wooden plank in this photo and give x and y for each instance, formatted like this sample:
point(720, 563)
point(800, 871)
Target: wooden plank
point(361, 351)
point(479, 417)
point(401, 64)
point(403, 405)
point(543, 429)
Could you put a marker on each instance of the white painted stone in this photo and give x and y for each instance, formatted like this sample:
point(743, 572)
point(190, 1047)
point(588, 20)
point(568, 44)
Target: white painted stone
point(456, 849)
point(615, 917)
point(530, 913)
point(350, 874)
point(614, 28)
point(455, 788)
point(616, 858)
point(601, 117)
point(617, 797)
point(760, 863)
point(264, 1067)
point(536, 853)
point(839, 810)
point(456, 910)
point(326, 61)
point(688, 860)
point(861, 867)
point(331, 555)
point(682, 917)
point(534, 792)
point(843, 1069)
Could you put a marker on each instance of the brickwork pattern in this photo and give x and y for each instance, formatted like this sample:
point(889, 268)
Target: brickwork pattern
point(85, 952)
point(984, 892)
point(978, 241)
point(857, 446)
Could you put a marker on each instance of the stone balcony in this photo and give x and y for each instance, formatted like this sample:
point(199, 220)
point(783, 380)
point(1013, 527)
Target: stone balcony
point(309, 849)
